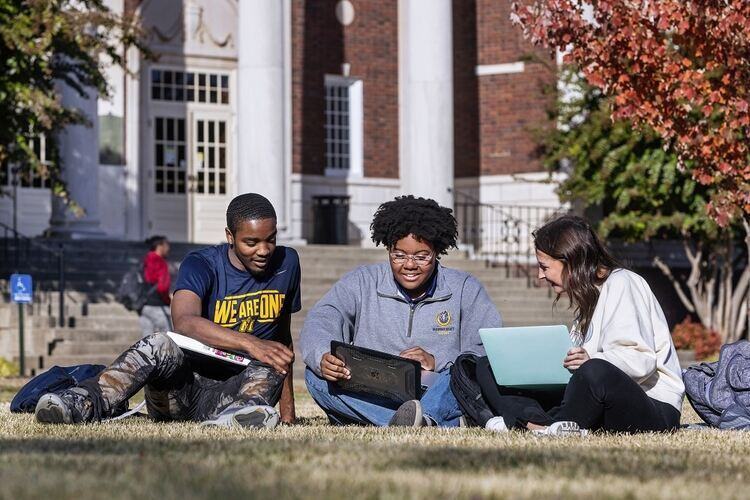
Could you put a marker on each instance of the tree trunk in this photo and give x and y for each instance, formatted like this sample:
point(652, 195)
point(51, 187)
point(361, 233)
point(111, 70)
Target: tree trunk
point(710, 291)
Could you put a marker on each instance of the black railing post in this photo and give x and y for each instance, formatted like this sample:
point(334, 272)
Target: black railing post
point(476, 218)
point(5, 244)
point(61, 285)
point(16, 250)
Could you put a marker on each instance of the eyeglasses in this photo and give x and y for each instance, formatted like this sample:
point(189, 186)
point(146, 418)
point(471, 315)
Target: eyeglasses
point(420, 259)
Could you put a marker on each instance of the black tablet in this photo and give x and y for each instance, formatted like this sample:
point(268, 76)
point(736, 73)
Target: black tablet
point(377, 373)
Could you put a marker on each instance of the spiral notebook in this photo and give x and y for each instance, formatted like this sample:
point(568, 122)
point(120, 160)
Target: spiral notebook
point(198, 349)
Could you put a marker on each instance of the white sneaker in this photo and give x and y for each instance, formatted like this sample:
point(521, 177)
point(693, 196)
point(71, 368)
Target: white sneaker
point(564, 428)
point(496, 424)
point(51, 409)
point(261, 417)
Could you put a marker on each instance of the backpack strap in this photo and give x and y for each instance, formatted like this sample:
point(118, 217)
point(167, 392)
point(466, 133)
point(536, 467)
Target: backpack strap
point(467, 390)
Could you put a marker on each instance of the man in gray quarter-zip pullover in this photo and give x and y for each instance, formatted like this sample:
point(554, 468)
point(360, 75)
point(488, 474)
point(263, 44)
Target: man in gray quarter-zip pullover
point(410, 306)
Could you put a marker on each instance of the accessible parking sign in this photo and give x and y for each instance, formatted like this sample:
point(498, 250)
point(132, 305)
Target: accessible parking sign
point(21, 289)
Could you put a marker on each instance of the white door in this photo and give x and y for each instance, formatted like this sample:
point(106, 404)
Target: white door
point(208, 184)
point(167, 176)
point(188, 157)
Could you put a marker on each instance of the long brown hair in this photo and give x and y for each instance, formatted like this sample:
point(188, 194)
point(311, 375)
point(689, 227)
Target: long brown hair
point(586, 262)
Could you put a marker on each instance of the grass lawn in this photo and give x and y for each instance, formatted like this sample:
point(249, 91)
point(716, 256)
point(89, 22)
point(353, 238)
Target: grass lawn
point(138, 458)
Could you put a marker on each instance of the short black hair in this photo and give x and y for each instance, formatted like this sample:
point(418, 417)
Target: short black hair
point(155, 241)
point(248, 206)
point(421, 217)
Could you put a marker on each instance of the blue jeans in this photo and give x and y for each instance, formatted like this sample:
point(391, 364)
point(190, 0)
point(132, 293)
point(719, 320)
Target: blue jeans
point(343, 408)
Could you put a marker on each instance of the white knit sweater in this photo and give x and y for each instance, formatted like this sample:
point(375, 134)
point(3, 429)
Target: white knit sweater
point(629, 330)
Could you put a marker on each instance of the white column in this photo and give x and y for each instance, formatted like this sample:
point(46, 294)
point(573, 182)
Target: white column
point(79, 152)
point(262, 122)
point(426, 95)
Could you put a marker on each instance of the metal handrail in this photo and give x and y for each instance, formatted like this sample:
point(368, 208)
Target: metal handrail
point(499, 233)
point(20, 251)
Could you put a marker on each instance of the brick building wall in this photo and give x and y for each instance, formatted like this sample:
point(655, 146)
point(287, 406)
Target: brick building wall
point(370, 45)
point(317, 49)
point(510, 108)
point(465, 90)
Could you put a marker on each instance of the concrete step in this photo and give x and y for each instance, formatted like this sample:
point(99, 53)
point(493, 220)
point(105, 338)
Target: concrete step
point(106, 322)
point(91, 348)
point(77, 359)
point(104, 310)
point(96, 335)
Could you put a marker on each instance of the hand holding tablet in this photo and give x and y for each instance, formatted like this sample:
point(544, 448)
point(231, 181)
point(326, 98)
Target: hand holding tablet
point(394, 378)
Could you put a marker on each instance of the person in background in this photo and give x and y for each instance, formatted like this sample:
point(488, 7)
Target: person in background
point(155, 317)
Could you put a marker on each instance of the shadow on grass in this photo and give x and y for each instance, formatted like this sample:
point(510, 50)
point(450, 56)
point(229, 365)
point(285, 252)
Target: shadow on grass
point(573, 461)
point(301, 452)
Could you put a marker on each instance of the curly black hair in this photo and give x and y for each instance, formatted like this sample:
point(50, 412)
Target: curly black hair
point(421, 217)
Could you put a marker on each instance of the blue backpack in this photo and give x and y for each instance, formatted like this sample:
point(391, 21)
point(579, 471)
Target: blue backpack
point(55, 379)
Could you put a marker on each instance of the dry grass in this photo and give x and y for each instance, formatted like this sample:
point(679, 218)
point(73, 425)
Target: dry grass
point(139, 458)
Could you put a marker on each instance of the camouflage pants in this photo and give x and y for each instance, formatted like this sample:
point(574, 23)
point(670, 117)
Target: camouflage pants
point(174, 391)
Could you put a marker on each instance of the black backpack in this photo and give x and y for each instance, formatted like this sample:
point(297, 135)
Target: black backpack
point(55, 379)
point(134, 292)
point(468, 392)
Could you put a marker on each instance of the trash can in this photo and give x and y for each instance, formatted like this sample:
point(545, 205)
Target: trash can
point(330, 219)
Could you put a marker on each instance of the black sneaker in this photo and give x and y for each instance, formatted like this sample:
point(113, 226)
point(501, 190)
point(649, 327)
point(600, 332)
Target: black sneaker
point(408, 414)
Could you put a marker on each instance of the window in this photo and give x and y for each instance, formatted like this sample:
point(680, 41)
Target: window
point(43, 149)
point(343, 126)
point(111, 140)
point(169, 155)
point(189, 86)
point(211, 156)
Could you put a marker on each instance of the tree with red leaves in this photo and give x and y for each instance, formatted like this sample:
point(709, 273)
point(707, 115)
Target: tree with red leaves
point(679, 67)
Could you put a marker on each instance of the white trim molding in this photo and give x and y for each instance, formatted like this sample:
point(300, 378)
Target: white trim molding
point(500, 69)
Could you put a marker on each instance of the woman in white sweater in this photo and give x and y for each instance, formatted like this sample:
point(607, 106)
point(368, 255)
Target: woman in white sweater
point(626, 377)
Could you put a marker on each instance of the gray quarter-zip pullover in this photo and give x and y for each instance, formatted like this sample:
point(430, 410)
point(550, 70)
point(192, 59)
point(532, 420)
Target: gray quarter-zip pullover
point(366, 308)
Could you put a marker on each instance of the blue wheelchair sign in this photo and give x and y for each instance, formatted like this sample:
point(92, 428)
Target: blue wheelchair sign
point(21, 289)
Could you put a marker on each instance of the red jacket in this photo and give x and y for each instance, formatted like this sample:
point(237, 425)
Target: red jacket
point(156, 271)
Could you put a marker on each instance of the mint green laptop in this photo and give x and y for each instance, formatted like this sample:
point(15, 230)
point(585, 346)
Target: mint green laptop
point(528, 357)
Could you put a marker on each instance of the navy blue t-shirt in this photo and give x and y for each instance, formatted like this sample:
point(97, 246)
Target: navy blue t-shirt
point(237, 300)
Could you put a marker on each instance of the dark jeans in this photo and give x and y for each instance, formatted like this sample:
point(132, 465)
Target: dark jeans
point(599, 396)
point(173, 388)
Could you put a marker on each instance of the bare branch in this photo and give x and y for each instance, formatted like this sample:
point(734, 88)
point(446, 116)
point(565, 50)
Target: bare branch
point(742, 319)
point(676, 284)
point(695, 285)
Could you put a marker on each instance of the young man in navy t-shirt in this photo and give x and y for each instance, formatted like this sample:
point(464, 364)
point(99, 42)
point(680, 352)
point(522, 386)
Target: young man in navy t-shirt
point(238, 296)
